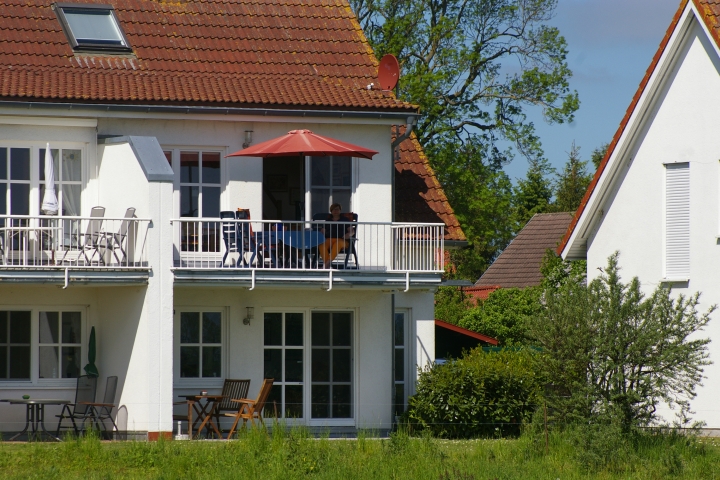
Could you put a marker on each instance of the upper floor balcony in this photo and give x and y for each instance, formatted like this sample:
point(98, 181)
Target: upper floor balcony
point(42, 248)
point(330, 253)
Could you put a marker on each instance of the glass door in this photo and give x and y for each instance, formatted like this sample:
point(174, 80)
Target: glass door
point(331, 366)
point(284, 362)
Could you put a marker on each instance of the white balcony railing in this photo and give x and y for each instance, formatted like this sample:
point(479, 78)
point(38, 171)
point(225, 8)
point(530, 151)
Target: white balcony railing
point(72, 242)
point(213, 243)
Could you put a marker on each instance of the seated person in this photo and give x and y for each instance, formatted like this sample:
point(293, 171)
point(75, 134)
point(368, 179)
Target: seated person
point(336, 237)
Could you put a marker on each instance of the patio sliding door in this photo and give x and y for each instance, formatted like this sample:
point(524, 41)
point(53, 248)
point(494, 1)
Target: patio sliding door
point(284, 361)
point(200, 186)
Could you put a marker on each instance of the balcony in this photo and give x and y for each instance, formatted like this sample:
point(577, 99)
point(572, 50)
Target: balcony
point(42, 248)
point(210, 250)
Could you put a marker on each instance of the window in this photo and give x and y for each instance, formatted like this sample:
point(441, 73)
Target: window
point(91, 27)
point(15, 181)
point(201, 345)
point(283, 361)
point(40, 345)
point(200, 197)
point(59, 344)
point(67, 170)
point(330, 182)
point(677, 221)
point(331, 365)
point(400, 362)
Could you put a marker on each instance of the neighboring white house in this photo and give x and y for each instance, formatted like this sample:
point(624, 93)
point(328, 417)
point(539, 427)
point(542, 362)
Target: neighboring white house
point(656, 196)
point(140, 102)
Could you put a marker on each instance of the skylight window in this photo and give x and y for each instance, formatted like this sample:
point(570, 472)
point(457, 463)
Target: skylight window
point(91, 27)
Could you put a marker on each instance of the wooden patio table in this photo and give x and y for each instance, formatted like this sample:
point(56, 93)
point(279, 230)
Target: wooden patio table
point(205, 406)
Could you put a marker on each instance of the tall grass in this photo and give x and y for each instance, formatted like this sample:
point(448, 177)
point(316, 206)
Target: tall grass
point(294, 453)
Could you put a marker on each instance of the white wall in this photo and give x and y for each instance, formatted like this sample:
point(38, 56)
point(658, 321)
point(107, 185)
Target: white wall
point(682, 128)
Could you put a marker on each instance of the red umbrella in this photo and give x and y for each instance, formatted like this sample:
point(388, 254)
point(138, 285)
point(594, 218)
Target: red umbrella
point(304, 142)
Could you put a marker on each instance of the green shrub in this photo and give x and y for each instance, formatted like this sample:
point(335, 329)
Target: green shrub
point(479, 395)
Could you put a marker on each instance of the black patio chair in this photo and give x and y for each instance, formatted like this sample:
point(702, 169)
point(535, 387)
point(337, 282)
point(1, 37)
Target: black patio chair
point(99, 412)
point(84, 395)
point(352, 241)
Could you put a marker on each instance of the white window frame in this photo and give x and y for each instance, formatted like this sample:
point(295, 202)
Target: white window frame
point(200, 382)
point(35, 184)
point(353, 207)
point(35, 381)
point(410, 366)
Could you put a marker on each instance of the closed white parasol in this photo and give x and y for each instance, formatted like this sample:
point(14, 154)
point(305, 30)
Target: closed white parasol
point(50, 202)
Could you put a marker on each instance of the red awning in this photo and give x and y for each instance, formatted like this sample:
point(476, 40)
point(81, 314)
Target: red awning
point(465, 331)
point(304, 142)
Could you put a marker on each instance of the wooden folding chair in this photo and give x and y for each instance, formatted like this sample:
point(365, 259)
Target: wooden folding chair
point(251, 409)
point(232, 388)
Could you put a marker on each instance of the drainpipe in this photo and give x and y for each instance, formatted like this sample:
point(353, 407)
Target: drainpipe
point(392, 363)
point(409, 124)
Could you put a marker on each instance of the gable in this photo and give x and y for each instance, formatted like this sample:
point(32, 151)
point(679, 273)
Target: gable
point(704, 16)
point(215, 52)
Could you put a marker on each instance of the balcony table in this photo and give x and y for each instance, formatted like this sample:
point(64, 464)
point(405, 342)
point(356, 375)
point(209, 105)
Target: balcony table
point(205, 406)
point(302, 240)
point(35, 415)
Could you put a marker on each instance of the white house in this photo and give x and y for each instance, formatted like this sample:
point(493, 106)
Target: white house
point(655, 197)
point(141, 102)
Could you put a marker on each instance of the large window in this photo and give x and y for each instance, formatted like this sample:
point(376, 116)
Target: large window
point(284, 362)
point(15, 181)
point(330, 182)
point(67, 171)
point(40, 345)
point(331, 367)
point(201, 344)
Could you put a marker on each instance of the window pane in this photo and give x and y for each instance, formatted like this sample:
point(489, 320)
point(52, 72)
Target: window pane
point(19, 327)
point(70, 362)
point(274, 399)
point(341, 365)
point(341, 329)
point(293, 401)
point(210, 201)
point(71, 200)
point(3, 327)
point(189, 167)
point(294, 329)
point(212, 365)
point(399, 399)
point(399, 329)
point(293, 365)
point(48, 362)
point(54, 154)
point(320, 365)
point(71, 166)
point(320, 171)
point(273, 364)
point(320, 329)
point(273, 329)
point(212, 327)
point(399, 364)
point(3, 200)
point(190, 327)
point(20, 163)
point(320, 200)
point(190, 362)
point(320, 407)
point(3, 163)
point(3, 362)
point(342, 171)
point(20, 362)
point(342, 401)
point(20, 199)
point(343, 198)
point(71, 327)
point(93, 26)
point(211, 168)
point(189, 197)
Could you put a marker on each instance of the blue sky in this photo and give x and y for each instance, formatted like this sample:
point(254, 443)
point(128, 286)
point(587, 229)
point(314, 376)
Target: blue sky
point(611, 43)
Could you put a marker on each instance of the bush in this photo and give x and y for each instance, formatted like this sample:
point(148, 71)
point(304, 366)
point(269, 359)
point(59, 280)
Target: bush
point(479, 395)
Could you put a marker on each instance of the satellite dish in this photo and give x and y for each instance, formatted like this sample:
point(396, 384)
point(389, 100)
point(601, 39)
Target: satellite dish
point(388, 72)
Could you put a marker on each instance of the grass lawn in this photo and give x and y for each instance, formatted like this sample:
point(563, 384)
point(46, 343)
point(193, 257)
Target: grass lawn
point(296, 455)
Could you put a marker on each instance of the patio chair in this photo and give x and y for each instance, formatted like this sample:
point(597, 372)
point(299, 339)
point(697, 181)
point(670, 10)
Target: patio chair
point(99, 412)
point(352, 241)
point(90, 240)
point(84, 394)
point(118, 241)
point(232, 388)
point(230, 236)
point(246, 238)
point(251, 409)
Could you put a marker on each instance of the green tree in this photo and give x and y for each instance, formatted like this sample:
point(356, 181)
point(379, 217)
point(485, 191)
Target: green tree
point(598, 154)
point(534, 193)
point(613, 354)
point(571, 183)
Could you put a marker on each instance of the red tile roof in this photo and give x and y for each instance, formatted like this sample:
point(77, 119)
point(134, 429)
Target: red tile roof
point(466, 332)
point(519, 264)
point(481, 293)
point(270, 53)
point(419, 197)
point(710, 14)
